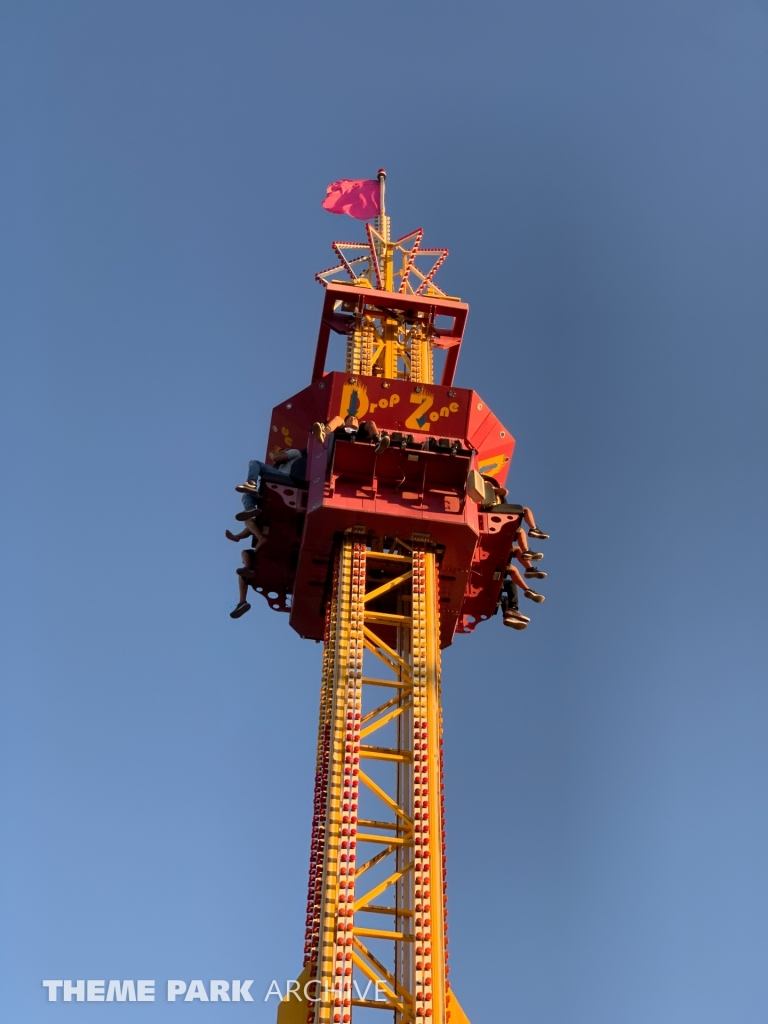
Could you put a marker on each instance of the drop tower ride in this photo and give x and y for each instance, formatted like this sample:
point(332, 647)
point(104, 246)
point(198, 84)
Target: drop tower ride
point(383, 555)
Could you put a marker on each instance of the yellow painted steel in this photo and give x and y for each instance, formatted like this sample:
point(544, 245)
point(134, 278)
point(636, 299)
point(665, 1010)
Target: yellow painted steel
point(390, 347)
point(346, 702)
point(293, 1007)
point(354, 877)
point(454, 1009)
point(389, 344)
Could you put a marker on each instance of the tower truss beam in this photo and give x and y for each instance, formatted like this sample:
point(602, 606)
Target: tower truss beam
point(350, 877)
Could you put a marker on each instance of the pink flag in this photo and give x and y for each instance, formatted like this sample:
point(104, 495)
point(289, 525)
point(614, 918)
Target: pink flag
point(360, 199)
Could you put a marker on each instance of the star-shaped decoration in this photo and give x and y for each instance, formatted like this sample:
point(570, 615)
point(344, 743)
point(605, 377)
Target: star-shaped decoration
point(414, 267)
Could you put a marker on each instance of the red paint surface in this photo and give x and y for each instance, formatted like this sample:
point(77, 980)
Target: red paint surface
point(397, 493)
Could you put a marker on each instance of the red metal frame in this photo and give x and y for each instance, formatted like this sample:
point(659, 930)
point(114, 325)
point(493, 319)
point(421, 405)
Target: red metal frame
point(370, 298)
point(395, 493)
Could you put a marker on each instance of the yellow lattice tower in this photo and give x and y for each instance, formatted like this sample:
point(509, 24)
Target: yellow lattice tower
point(376, 911)
point(346, 911)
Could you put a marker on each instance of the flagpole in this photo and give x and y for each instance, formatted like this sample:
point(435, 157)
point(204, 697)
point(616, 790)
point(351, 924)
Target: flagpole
point(386, 255)
point(382, 176)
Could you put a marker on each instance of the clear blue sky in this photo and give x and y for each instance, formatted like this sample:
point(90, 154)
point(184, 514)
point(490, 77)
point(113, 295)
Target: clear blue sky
point(598, 170)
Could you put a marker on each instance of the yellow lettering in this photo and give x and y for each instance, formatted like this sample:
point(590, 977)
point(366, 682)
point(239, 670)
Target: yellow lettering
point(418, 420)
point(354, 401)
point(445, 411)
point(454, 406)
point(434, 416)
point(394, 399)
